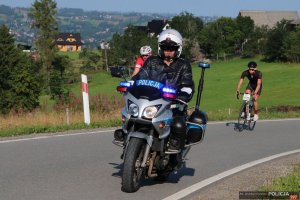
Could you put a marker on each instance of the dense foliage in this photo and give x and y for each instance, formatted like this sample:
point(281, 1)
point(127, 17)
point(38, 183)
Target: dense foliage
point(19, 82)
point(220, 39)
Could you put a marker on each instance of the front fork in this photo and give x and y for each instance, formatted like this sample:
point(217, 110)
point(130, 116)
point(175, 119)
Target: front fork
point(247, 111)
point(149, 141)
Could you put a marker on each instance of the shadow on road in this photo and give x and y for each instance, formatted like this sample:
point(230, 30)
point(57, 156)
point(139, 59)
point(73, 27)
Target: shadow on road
point(237, 127)
point(174, 177)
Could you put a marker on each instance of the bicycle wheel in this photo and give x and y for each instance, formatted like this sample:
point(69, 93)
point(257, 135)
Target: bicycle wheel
point(242, 119)
point(251, 122)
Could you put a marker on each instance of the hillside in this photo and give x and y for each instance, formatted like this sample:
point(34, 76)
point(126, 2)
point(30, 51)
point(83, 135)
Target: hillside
point(94, 26)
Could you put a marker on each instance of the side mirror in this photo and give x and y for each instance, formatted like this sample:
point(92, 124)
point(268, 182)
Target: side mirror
point(204, 65)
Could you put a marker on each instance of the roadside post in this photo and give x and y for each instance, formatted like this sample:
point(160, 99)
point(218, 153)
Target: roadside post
point(85, 96)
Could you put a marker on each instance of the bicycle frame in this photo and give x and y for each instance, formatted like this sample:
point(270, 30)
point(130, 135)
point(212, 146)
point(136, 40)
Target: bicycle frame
point(247, 109)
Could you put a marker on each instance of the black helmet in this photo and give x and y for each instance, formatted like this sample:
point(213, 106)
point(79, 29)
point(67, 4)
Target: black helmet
point(252, 64)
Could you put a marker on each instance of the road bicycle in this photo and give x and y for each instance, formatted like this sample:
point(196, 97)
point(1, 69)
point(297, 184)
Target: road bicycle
point(246, 114)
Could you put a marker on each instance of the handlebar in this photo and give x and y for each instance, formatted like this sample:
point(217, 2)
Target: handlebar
point(242, 93)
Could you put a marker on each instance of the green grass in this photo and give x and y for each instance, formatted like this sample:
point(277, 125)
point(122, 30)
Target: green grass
point(280, 85)
point(71, 55)
point(289, 183)
point(280, 88)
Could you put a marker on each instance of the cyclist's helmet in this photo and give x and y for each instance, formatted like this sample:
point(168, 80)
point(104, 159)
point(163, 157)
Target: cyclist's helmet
point(252, 64)
point(170, 38)
point(145, 50)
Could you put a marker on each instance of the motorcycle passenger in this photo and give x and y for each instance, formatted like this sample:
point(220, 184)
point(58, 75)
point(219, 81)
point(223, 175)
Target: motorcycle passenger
point(175, 72)
point(254, 86)
point(145, 52)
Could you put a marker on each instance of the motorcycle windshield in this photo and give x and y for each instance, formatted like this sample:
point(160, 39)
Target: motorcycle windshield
point(147, 89)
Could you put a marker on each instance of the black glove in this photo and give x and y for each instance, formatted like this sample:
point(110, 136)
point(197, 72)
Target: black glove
point(183, 96)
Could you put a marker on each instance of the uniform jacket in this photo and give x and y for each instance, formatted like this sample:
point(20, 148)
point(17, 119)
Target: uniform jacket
point(178, 75)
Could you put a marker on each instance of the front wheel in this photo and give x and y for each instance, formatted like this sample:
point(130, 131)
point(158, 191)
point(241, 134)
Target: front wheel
point(242, 118)
point(132, 170)
point(251, 122)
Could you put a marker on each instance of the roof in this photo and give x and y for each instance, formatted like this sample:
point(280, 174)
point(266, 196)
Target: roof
point(156, 26)
point(269, 18)
point(296, 21)
point(68, 39)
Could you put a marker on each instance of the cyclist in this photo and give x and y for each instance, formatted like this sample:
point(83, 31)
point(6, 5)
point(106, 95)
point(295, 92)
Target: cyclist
point(145, 52)
point(254, 86)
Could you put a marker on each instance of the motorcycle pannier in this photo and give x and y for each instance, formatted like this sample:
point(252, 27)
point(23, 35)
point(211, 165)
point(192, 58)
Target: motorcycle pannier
point(196, 127)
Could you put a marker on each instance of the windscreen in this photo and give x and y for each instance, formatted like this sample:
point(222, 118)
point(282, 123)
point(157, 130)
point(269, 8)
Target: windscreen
point(146, 89)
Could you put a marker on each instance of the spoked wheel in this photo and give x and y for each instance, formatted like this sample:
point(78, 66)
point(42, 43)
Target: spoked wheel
point(251, 122)
point(132, 171)
point(242, 119)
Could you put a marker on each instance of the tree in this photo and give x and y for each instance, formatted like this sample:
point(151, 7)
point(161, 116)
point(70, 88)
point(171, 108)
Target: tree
point(19, 82)
point(189, 27)
point(255, 43)
point(220, 37)
point(292, 46)
point(58, 76)
point(274, 49)
point(124, 48)
point(246, 27)
point(43, 13)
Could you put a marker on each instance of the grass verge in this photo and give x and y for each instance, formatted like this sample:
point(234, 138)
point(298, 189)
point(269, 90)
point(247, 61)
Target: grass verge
point(290, 183)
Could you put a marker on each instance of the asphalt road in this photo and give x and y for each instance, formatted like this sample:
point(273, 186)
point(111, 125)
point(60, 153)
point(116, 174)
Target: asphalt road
point(87, 166)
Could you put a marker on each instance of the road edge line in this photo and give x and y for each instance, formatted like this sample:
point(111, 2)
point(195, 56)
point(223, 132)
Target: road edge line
point(193, 188)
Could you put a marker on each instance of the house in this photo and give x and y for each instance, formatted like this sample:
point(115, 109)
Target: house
point(155, 27)
point(68, 42)
point(24, 46)
point(269, 18)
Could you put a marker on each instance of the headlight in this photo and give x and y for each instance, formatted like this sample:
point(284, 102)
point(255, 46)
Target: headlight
point(150, 112)
point(133, 110)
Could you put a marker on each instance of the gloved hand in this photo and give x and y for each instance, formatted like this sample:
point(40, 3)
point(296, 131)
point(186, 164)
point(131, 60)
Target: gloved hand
point(183, 96)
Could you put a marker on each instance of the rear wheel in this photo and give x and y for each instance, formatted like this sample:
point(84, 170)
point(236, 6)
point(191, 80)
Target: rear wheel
point(242, 117)
point(132, 171)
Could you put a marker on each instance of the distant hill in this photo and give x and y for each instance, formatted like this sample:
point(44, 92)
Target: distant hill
point(94, 26)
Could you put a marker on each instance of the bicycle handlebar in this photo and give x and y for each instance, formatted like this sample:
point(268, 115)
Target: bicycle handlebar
point(242, 93)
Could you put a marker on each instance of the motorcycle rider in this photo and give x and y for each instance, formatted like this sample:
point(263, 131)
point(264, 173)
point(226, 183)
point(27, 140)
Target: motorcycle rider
point(175, 72)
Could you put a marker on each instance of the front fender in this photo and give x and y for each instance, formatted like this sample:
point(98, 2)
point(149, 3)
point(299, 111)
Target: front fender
point(141, 135)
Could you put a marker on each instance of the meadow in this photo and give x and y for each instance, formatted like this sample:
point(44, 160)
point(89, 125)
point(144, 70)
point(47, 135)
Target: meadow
point(280, 99)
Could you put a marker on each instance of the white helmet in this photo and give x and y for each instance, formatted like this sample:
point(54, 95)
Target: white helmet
point(145, 50)
point(170, 37)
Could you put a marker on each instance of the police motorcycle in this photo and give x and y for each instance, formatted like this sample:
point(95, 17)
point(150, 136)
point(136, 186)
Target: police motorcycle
point(147, 117)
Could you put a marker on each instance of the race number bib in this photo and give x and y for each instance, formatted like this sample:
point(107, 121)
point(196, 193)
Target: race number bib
point(246, 97)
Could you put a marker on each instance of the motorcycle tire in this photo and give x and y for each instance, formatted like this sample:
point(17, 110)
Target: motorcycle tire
point(132, 170)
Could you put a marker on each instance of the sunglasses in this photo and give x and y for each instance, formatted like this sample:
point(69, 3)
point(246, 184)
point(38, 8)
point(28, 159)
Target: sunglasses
point(251, 69)
point(169, 48)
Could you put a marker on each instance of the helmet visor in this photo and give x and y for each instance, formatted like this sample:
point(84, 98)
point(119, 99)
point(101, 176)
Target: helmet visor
point(167, 47)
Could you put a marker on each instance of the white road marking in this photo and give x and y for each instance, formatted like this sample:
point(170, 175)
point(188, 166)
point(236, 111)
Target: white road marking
point(185, 192)
point(51, 136)
point(111, 130)
point(189, 190)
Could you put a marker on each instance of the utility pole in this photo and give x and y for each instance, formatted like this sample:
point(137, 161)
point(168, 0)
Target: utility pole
point(104, 45)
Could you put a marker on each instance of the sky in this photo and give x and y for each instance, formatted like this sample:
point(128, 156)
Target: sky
point(226, 8)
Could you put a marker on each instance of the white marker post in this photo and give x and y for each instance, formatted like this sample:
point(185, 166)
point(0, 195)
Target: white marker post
point(85, 96)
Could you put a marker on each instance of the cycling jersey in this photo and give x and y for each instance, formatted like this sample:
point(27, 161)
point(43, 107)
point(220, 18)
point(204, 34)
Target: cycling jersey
point(252, 79)
point(139, 62)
